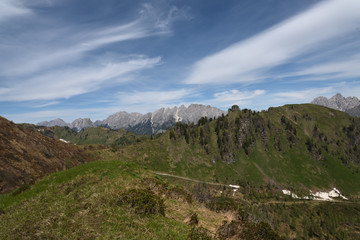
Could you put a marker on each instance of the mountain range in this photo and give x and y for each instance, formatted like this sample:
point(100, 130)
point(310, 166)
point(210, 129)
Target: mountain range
point(150, 123)
point(350, 105)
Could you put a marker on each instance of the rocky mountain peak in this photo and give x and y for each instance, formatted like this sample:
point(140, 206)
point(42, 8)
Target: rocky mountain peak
point(81, 123)
point(337, 102)
point(56, 122)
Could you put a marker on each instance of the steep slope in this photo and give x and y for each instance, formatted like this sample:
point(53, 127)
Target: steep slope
point(27, 155)
point(337, 102)
point(304, 147)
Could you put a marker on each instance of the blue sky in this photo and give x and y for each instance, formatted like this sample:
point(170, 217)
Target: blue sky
point(87, 58)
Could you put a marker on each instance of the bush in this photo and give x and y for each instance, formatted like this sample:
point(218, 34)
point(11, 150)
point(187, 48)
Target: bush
point(259, 231)
point(222, 204)
point(198, 233)
point(246, 230)
point(194, 220)
point(142, 201)
point(161, 187)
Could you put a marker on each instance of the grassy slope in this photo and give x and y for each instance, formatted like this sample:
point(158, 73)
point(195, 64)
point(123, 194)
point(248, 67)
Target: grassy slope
point(291, 167)
point(97, 135)
point(81, 203)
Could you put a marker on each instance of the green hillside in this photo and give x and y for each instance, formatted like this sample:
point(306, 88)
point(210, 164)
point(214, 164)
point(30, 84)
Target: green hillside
point(119, 200)
point(98, 135)
point(112, 200)
point(297, 147)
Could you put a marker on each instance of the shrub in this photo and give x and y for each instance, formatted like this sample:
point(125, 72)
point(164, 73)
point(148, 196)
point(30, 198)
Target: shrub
point(222, 204)
point(142, 201)
point(194, 220)
point(259, 231)
point(198, 233)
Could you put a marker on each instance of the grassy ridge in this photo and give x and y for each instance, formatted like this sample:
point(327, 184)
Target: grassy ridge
point(83, 203)
point(118, 200)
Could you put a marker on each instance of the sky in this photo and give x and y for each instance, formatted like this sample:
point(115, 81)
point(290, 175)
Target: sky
point(89, 59)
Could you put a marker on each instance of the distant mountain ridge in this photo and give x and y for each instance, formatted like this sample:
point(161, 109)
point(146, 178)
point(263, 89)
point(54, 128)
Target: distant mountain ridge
point(338, 102)
point(150, 123)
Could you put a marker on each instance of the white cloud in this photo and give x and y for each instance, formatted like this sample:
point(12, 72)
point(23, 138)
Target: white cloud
point(12, 8)
point(59, 64)
point(32, 57)
point(146, 101)
point(325, 22)
point(47, 104)
point(161, 19)
point(68, 115)
point(27, 53)
point(334, 70)
point(234, 97)
point(153, 97)
point(74, 81)
point(302, 96)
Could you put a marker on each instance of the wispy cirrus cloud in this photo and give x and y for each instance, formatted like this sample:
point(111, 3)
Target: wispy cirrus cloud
point(153, 97)
point(47, 104)
point(68, 82)
point(228, 98)
point(31, 54)
point(145, 101)
point(249, 60)
point(12, 8)
point(340, 69)
point(301, 96)
point(61, 64)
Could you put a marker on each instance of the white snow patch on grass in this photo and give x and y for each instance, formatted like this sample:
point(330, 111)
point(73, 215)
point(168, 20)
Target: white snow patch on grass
point(320, 196)
point(63, 140)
